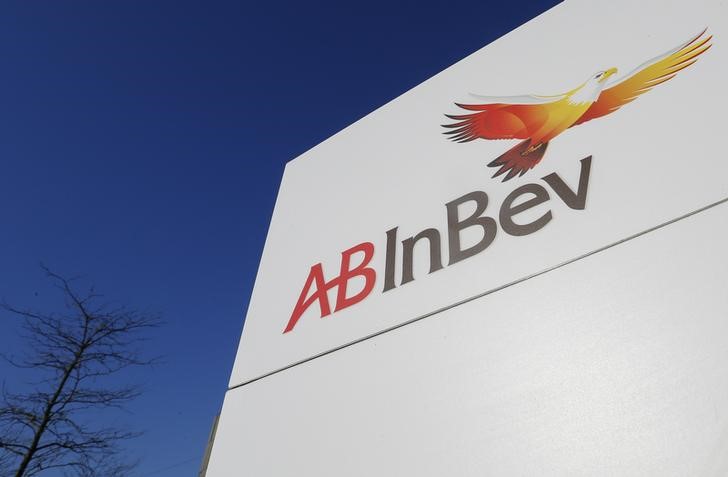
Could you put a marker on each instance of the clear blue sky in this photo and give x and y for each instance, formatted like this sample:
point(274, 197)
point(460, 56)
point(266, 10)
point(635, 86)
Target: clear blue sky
point(142, 144)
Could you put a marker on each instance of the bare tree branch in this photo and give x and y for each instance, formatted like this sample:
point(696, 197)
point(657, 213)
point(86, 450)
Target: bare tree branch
point(72, 355)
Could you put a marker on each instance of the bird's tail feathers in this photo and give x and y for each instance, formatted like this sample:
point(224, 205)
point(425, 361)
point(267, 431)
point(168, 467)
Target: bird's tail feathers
point(516, 161)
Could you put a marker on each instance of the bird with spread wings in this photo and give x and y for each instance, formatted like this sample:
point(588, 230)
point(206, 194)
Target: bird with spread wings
point(539, 119)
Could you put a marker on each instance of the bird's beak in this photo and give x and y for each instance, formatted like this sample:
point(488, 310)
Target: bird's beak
point(607, 74)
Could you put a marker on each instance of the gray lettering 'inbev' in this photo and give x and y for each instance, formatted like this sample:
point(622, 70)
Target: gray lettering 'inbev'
point(520, 200)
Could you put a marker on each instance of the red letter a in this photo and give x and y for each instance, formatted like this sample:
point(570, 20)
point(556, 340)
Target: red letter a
point(315, 275)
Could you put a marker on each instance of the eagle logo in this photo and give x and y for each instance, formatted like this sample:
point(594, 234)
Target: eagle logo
point(538, 119)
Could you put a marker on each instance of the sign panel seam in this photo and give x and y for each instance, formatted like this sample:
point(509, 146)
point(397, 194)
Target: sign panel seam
point(485, 293)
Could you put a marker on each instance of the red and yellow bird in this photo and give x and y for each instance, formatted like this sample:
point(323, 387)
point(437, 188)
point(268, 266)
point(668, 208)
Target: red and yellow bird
point(539, 119)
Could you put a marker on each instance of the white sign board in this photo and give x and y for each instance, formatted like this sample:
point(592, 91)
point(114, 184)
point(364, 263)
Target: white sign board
point(615, 365)
point(423, 225)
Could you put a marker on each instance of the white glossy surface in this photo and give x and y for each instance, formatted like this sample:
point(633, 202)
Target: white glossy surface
point(616, 364)
point(654, 160)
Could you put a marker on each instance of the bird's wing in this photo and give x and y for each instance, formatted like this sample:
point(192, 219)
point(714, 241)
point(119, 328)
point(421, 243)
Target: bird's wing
point(522, 99)
point(510, 117)
point(647, 76)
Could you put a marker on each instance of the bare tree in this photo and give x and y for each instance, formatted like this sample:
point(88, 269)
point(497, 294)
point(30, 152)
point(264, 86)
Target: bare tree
point(72, 355)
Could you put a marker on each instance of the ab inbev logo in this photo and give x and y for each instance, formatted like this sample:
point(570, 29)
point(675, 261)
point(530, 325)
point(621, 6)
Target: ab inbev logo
point(539, 119)
point(534, 119)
